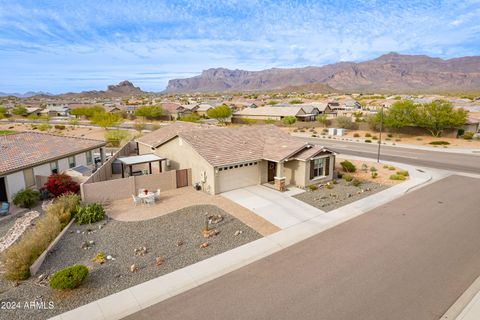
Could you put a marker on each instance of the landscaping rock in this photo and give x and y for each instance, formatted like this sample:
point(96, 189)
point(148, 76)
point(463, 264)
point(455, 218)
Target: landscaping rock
point(179, 243)
point(133, 268)
point(204, 245)
point(158, 261)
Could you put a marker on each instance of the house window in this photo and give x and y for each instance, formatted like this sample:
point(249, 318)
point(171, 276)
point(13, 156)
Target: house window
point(220, 169)
point(71, 161)
point(89, 157)
point(318, 168)
point(29, 177)
point(54, 167)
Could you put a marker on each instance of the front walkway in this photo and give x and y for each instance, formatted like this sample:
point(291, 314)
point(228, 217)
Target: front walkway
point(281, 209)
point(173, 200)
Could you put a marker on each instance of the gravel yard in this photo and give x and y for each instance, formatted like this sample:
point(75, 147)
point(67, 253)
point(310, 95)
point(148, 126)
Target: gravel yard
point(176, 237)
point(341, 194)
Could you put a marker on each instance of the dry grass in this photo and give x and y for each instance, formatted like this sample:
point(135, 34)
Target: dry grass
point(383, 173)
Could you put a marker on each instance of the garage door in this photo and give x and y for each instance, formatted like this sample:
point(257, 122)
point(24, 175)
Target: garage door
point(239, 176)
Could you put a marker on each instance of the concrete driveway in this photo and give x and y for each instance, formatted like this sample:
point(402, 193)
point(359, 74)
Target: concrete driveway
point(276, 207)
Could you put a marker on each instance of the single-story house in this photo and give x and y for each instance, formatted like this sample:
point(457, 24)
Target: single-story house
point(54, 110)
point(276, 113)
point(26, 155)
point(174, 110)
point(223, 159)
point(203, 108)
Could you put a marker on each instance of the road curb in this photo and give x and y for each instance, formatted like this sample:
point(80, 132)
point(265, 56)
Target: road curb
point(463, 304)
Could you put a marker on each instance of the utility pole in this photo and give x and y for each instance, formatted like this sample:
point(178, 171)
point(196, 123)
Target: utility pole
point(380, 135)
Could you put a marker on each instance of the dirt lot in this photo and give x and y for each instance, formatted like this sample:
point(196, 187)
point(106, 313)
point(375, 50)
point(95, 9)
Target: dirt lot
point(91, 133)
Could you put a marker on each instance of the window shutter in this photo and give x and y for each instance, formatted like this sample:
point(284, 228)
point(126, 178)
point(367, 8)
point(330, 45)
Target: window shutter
point(311, 169)
point(327, 166)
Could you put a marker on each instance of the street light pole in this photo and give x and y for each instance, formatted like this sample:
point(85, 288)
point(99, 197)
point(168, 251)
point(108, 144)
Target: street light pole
point(380, 135)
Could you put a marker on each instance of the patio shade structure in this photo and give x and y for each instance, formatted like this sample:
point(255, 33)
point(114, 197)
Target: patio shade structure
point(144, 158)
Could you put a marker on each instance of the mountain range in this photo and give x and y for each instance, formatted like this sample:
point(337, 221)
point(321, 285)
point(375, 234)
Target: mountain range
point(25, 95)
point(122, 89)
point(391, 72)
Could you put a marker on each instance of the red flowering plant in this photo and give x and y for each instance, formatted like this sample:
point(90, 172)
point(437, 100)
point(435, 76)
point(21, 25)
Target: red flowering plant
point(60, 183)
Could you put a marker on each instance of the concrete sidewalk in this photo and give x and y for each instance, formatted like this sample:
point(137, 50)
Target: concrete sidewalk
point(136, 298)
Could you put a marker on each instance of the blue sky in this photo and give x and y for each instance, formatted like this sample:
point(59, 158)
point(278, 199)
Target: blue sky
point(61, 46)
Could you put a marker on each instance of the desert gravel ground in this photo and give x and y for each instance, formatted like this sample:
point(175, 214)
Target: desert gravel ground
point(120, 239)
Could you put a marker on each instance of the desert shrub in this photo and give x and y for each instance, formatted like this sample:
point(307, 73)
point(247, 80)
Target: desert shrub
point(468, 135)
point(374, 138)
point(403, 173)
point(345, 122)
point(60, 183)
point(288, 120)
point(64, 207)
point(69, 278)
point(100, 258)
point(43, 127)
point(116, 137)
point(439, 143)
point(397, 177)
point(356, 182)
point(364, 167)
point(391, 168)
point(390, 135)
point(347, 177)
point(59, 127)
point(419, 139)
point(339, 175)
point(329, 186)
point(26, 198)
point(367, 135)
point(313, 187)
point(368, 141)
point(373, 169)
point(374, 174)
point(248, 121)
point(18, 258)
point(89, 213)
point(334, 181)
point(269, 121)
point(398, 140)
point(356, 135)
point(347, 166)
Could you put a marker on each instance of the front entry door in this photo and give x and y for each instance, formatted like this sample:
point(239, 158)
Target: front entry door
point(3, 190)
point(272, 168)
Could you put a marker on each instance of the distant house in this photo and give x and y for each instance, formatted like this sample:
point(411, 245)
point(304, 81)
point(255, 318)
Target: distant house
point(203, 108)
point(174, 110)
point(112, 109)
point(54, 110)
point(34, 110)
point(335, 106)
point(27, 155)
point(223, 159)
point(276, 113)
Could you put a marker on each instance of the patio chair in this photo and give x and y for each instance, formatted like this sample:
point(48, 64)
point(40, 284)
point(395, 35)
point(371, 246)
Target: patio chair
point(149, 200)
point(157, 194)
point(4, 208)
point(140, 191)
point(136, 200)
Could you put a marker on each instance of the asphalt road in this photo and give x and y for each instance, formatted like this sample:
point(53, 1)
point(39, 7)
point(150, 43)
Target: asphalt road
point(408, 260)
point(435, 159)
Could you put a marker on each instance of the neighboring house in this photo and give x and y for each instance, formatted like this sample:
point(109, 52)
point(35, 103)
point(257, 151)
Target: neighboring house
point(203, 108)
point(54, 110)
point(223, 159)
point(174, 110)
point(34, 110)
point(275, 113)
point(112, 109)
point(26, 155)
point(335, 106)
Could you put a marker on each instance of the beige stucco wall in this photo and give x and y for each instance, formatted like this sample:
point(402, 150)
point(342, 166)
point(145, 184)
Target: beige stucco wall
point(327, 177)
point(182, 156)
point(295, 173)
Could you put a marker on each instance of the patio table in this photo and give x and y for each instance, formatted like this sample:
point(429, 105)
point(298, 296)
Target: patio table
point(144, 196)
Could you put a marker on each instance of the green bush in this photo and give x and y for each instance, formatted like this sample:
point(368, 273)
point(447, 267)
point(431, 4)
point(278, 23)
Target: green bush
point(26, 198)
point(89, 213)
point(313, 187)
point(69, 278)
point(391, 168)
point(116, 137)
point(403, 173)
point(18, 258)
point(339, 175)
point(356, 182)
point(397, 177)
point(374, 138)
point(367, 135)
point(373, 169)
point(356, 135)
point(368, 141)
point(347, 177)
point(390, 135)
point(44, 127)
point(439, 143)
point(374, 175)
point(468, 135)
point(288, 120)
point(59, 127)
point(347, 166)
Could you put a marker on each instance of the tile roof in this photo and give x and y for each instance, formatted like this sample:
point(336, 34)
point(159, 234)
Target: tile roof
point(25, 149)
point(171, 107)
point(270, 111)
point(308, 153)
point(162, 135)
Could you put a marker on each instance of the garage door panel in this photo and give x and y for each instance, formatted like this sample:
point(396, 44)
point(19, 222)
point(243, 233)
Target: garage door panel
point(238, 178)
